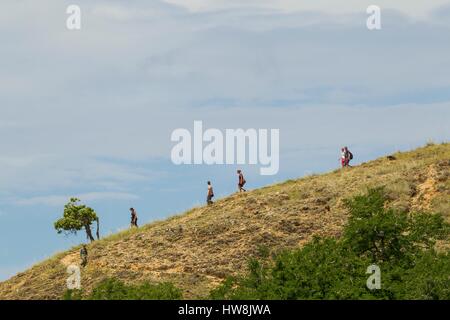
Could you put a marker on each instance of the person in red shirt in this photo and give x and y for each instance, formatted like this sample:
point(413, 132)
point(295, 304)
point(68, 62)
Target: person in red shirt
point(346, 156)
point(210, 194)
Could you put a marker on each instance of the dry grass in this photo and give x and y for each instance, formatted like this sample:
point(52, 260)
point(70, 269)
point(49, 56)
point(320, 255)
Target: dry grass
point(196, 250)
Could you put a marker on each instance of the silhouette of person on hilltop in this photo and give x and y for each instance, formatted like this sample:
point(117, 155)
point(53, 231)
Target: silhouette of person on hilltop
point(241, 181)
point(134, 218)
point(346, 156)
point(210, 194)
point(84, 256)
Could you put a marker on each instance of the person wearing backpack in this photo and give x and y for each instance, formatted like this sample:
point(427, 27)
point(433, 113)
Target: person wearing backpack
point(134, 218)
point(84, 256)
point(241, 181)
point(210, 194)
point(348, 156)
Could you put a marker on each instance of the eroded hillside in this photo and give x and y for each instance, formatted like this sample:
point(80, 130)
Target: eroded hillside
point(198, 249)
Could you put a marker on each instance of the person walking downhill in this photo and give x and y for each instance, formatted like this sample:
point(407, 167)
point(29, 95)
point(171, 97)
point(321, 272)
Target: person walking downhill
point(346, 156)
point(241, 181)
point(210, 194)
point(343, 158)
point(84, 256)
point(134, 218)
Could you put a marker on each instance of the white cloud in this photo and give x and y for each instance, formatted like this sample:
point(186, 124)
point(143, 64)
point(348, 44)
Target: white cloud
point(58, 200)
point(414, 8)
point(116, 89)
point(39, 173)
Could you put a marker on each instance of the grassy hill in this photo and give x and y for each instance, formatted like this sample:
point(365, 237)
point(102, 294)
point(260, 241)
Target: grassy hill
point(198, 249)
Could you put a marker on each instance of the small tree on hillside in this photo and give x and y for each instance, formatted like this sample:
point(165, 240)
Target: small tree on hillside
point(76, 217)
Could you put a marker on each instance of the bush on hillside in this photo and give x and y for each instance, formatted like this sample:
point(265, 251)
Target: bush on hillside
point(114, 289)
point(400, 243)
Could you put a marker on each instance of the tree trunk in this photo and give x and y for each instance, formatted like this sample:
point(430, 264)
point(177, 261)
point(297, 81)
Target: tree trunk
point(98, 229)
point(89, 232)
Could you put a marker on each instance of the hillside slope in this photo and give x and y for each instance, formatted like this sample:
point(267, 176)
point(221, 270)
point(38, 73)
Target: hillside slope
point(198, 249)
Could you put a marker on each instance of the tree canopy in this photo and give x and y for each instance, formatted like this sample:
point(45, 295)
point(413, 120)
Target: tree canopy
point(76, 217)
point(400, 243)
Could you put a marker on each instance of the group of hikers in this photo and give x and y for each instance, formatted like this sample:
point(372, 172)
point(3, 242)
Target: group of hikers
point(241, 183)
point(346, 156)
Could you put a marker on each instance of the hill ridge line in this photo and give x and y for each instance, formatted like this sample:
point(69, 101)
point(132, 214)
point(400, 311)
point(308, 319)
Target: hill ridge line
point(202, 246)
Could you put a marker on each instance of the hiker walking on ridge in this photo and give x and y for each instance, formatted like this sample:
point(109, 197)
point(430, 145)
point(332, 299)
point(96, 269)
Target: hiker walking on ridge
point(210, 194)
point(346, 156)
point(134, 218)
point(241, 181)
point(349, 156)
point(84, 255)
point(343, 158)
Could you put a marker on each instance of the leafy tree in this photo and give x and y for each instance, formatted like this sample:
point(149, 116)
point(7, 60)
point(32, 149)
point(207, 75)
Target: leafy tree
point(322, 269)
point(223, 291)
point(73, 294)
point(109, 289)
point(429, 279)
point(400, 243)
point(386, 234)
point(77, 217)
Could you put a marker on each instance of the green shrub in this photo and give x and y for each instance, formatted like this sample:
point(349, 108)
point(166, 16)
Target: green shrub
point(113, 289)
point(429, 279)
point(400, 243)
point(73, 294)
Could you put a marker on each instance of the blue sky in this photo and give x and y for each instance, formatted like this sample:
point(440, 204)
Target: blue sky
point(90, 112)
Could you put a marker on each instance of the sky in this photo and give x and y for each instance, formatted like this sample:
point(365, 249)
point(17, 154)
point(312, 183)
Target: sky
point(90, 112)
